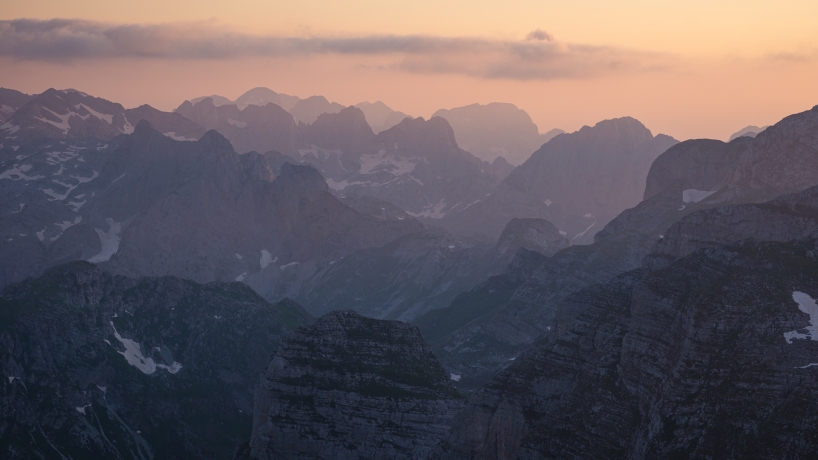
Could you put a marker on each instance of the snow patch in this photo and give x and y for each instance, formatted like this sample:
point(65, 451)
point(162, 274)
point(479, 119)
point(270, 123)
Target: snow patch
point(588, 216)
point(133, 354)
point(455, 377)
point(807, 305)
point(18, 173)
point(580, 235)
point(101, 116)
point(432, 211)
point(65, 225)
point(62, 124)
point(175, 137)
point(548, 202)
point(266, 258)
point(81, 409)
point(286, 266)
point(109, 241)
point(70, 188)
point(694, 196)
point(11, 379)
point(76, 204)
point(241, 277)
point(238, 256)
point(344, 184)
point(396, 166)
point(127, 128)
point(236, 123)
point(10, 128)
point(22, 205)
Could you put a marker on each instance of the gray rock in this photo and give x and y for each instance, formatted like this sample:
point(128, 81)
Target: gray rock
point(350, 387)
point(101, 366)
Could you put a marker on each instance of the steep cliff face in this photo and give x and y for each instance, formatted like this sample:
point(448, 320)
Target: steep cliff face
point(710, 357)
point(786, 218)
point(103, 366)
point(351, 387)
point(578, 181)
point(500, 326)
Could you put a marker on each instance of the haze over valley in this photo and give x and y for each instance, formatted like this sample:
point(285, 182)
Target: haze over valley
point(335, 240)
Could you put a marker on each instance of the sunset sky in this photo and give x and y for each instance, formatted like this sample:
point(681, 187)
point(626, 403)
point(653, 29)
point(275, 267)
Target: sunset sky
point(688, 69)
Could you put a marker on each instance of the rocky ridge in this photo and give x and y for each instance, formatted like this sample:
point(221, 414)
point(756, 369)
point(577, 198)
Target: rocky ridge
point(102, 366)
point(351, 387)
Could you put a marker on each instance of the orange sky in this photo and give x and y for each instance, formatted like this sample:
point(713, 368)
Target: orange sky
point(688, 69)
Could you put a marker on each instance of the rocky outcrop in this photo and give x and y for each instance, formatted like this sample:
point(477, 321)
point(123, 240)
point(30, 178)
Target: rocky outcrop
point(710, 357)
point(494, 130)
point(145, 204)
point(478, 334)
point(308, 110)
point(787, 218)
point(71, 114)
point(101, 366)
point(10, 101)
point(415, 165)
point(253, 128)
point(350, 387)
point(380, 116)
point(578, 182)
point(533, 234)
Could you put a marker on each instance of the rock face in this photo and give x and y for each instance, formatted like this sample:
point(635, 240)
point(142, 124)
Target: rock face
point(710, 357)
point(380, 116)
point(748, 131)
point(350, 387)
point(70, 114)
point(415, 165)
point(533, 234)
point(144, 204)
point(253, 128)
point(10, 101)
point(482, 330)
point(578, 181)
point(787, 218)
point(102, 366)
point(307, 110)
point(494, 130)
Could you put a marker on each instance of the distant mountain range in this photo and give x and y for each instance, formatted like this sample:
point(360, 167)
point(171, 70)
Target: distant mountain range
point(619, 294)
point(496, 129)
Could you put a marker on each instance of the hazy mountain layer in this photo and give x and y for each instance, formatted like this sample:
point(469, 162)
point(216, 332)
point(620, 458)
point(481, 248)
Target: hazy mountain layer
point(492, 130)
point(145, 204)
point(578, 181)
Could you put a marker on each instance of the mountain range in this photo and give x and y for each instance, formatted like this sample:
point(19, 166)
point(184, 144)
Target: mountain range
point(619, 294)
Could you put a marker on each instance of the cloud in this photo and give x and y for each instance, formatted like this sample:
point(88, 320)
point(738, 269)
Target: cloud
point(539, 34)
point(539, 56)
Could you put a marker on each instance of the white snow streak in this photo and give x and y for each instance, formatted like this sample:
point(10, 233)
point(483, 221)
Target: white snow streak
point(694, 196)
point(807, 305)
point(109, 241)
point(133, 354)
point(266, 258)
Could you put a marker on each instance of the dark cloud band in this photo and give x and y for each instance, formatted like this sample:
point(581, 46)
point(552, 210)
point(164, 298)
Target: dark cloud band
point(539, 56)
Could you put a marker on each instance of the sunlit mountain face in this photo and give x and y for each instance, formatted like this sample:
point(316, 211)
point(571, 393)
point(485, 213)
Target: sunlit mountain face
point(321, 230)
